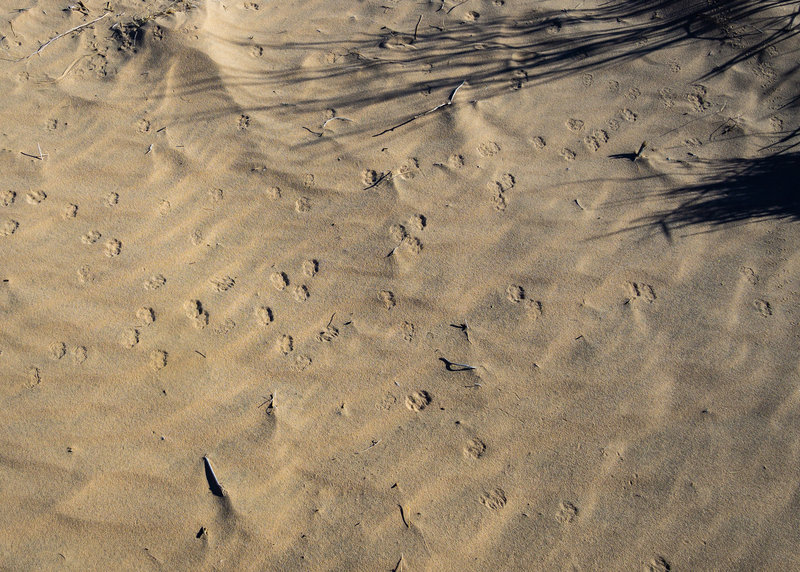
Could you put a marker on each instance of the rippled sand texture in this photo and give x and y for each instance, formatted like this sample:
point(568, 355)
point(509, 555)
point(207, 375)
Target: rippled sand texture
point(434, 286)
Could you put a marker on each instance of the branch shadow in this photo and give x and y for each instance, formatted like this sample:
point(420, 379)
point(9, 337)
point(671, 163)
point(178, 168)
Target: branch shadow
point(734, 191)
point(495, 56)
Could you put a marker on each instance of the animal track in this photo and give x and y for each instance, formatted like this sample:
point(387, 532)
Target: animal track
point(9, 227)
point(274, 193)
point(158, 359)
point(574, 125)
point(328, 334)
point(455, 161)
point(302, 205)
point(129, 337)
point(658, 564)
point(310, 267)
point(264, 315)
point(764, 308)
point(538, 143)
point(143, 126)
point(145, 315)
point(475, 448)
point(369, 177)
point(397, 232)
point(639, 290)
point(113, 247)
point(215, 196)
point(567, 512)
point(155, 282)
point(567, 154)
point(91, 237)
point(222, 283)
point(7, 198)
point(58, 350)
point(279, 280)
point(308, 180)
point(409, 169)
point(195, 312)
point(750, 274)
point(387, 297)
point(300, 293)
point(494, 499)
point(515, 293)
point(411, 245)
point(35, 197)
point(111, 199)
point(628, 115)
point(244, 122)
point(488, 149)
point(418, 400)
point(79, 354)
point(70, 211)
point(534, 308)
point(418, 222)
point(285, 345)
point(407, 329)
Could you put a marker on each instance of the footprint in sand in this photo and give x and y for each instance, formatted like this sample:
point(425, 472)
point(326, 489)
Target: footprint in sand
point(264, 315)
point(407, 331)
point(494, 499)
point(574, 125)
point(302, 205)
point(567, 154)
point(310, 267)
point(158, 359)
point(387, 297)
point(628, 115)
point(300, 293)
point(274, 193)
point(79, 354)
point(418, 400)
point(658, 564)
point(196, 313)
point(111, 199)
point(129, 337)
point(567, 512)
point(155, 282)
point(474, 449)
point(91, 237)
point(763, 307)
point(488, 149)
point(58, 350)
point(113, 248)
point(70, 211)
point(9, 227)
point(35, 197)
point(7, 198)
point(538, 143)
point(285, 344)
point(638, 290)
point(222, 283)
point(145, 315)
point(455, 161)
point(279, 280)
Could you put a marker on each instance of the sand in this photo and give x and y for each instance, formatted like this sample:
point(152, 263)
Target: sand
point(432, 285)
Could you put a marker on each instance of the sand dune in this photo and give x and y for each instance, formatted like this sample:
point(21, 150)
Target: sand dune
point(264, 232)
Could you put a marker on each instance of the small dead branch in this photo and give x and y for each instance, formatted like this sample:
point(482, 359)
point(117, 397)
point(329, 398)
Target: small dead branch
point(424, 113)
point(54, 38)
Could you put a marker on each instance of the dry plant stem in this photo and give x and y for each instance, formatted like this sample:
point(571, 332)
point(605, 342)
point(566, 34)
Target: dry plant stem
point(424, 113)
point(53, 39)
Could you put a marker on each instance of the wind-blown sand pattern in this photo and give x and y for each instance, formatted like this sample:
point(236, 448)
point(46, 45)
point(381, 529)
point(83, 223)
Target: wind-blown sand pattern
point(432, 285)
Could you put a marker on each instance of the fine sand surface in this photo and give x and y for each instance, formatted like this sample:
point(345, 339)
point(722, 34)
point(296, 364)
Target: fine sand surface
point(213, 244)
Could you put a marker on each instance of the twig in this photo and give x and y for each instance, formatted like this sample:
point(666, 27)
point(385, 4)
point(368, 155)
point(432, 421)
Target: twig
point(213, 482)
point(417, 27)
point(451, 365)
point(53, 39)
point(424, 113)
point(457, 5)
point(333, 119)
